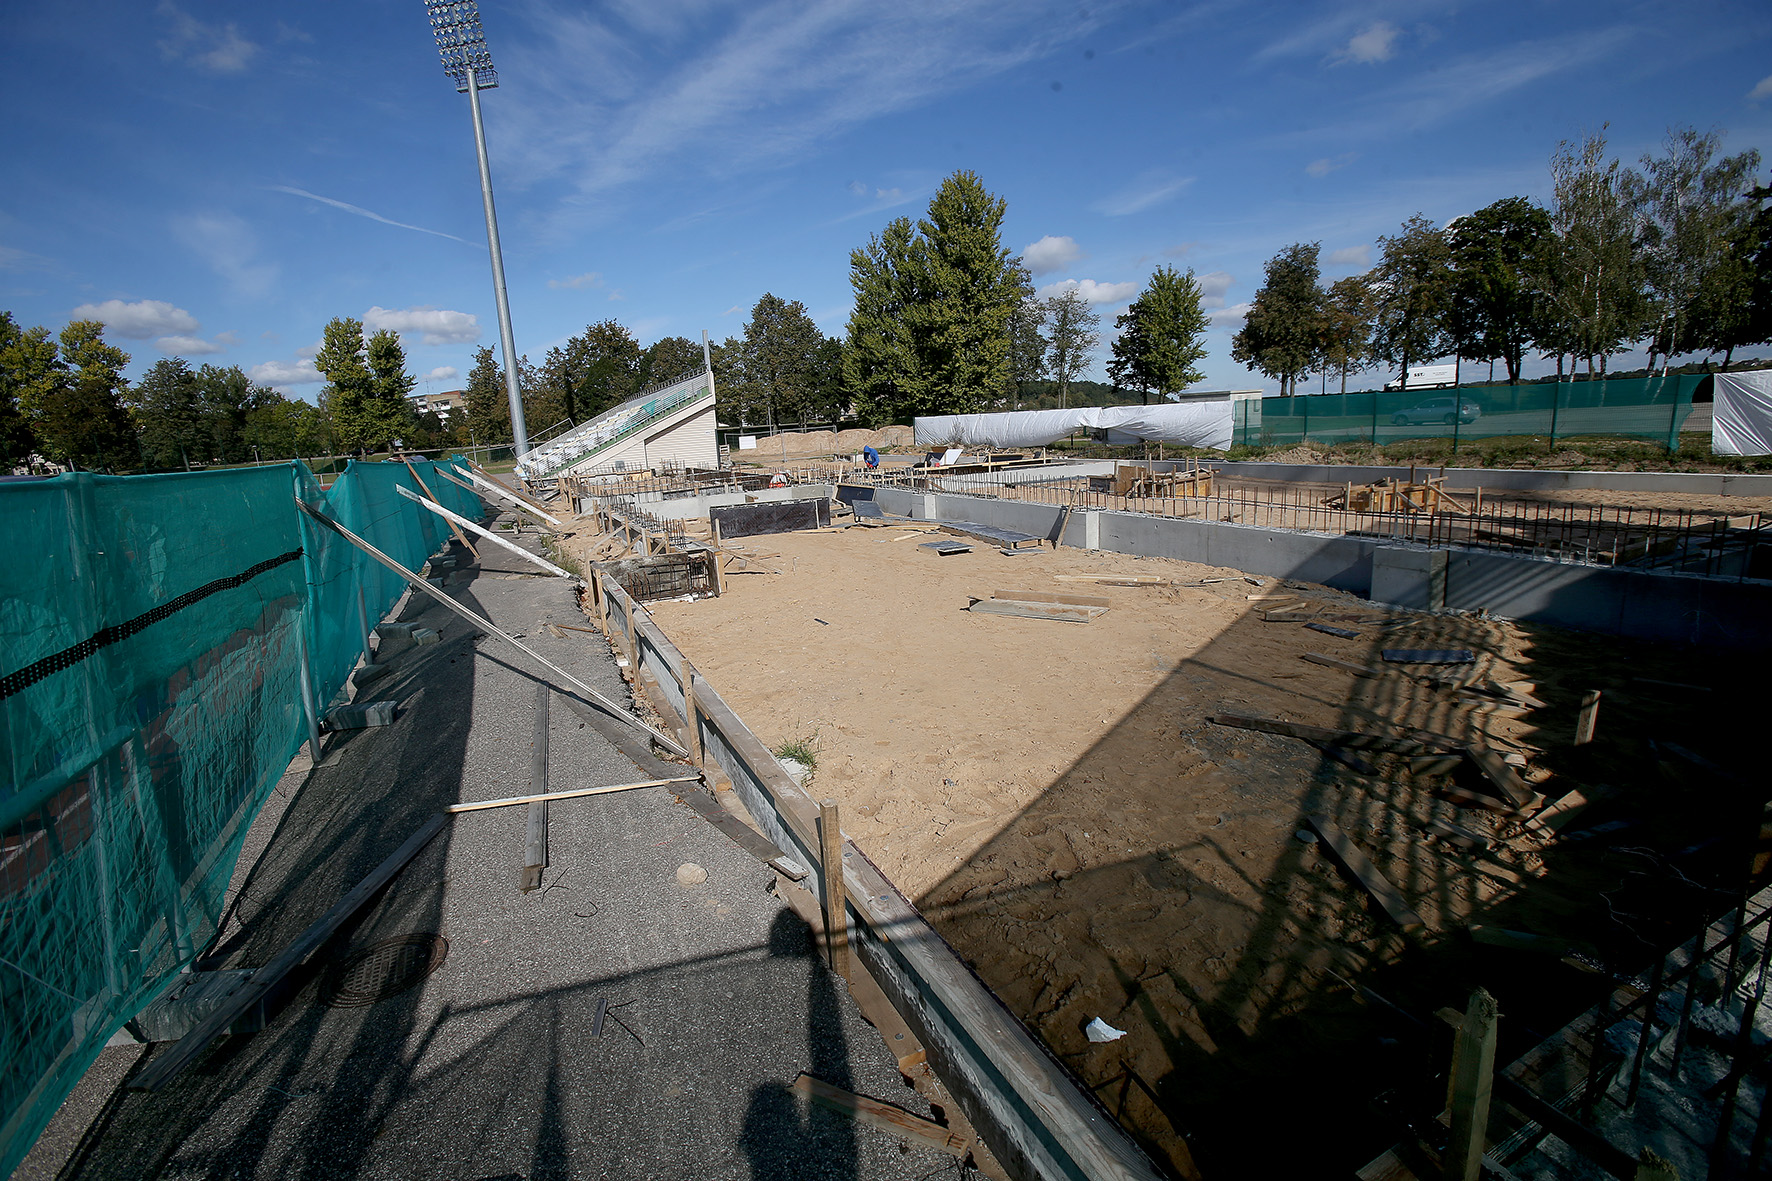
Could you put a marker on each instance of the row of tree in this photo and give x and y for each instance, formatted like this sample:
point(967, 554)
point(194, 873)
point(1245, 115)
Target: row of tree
point(1674, 259)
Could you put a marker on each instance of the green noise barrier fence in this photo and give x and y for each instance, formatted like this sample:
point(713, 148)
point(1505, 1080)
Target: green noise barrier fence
point(152, 635)
point(1643, 407)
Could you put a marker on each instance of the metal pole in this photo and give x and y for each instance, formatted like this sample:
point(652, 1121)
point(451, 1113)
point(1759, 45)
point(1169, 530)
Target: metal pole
point(519, 429)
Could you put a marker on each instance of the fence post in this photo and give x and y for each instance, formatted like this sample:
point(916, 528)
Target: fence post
point(1473, 1078)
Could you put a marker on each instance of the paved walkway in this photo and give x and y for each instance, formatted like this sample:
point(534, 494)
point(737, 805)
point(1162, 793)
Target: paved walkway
point(489, 1069)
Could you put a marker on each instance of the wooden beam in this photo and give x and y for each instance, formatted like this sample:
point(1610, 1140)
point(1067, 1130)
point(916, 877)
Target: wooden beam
point(569, 794)
point(830, 877)
point(894, 1121)
point(1589, 717)
point(167, 1063)
point(535, 843)
point(524, 497)
point(488, 534)
point(453, 527)
point(1471, 1084)
point(1063, 612)
point(1354, 860)
point(1511, 787)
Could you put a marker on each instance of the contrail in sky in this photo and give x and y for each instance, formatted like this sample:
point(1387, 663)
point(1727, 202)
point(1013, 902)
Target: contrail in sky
point(362, 212)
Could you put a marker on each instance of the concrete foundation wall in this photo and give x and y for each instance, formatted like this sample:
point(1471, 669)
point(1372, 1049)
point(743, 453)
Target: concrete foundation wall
point(1641, 604)
point(1506, 479)
point(683, 508)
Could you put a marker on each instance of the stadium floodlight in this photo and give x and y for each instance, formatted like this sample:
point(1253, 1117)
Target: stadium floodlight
point(462, 45)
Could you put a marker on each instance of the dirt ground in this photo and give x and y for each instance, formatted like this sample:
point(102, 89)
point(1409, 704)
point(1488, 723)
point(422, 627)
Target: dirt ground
point(1056, 798)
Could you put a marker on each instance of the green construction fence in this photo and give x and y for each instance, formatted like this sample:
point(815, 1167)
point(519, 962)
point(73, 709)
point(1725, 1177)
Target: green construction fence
point(1643, 407)
point(153, 631)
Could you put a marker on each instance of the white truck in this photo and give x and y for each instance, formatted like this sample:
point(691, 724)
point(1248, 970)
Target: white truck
point(1426, 377)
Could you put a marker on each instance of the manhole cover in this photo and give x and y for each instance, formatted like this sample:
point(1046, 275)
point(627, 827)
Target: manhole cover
point(382, 970)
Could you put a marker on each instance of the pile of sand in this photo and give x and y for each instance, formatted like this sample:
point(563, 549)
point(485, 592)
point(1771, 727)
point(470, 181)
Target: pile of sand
point(810, 444)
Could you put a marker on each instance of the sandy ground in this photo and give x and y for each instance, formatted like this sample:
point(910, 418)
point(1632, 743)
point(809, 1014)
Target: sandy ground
point(1058, 801)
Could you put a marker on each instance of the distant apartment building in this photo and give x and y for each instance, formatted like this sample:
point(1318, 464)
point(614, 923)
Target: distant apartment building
point(442, 405)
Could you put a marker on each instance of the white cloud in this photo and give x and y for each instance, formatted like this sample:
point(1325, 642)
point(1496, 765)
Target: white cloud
point(443, 373)
point(856, 187)
point(359, 211)
point(1149, 190)
point(189, 346)
point(890, 196)
point(14, 259)
point(1375, 43)
point(1090, 290)
point(1329, 164)
point(1212, 288)
point(138, 320)
point(777, 78)
point(433, 325)
point(588, 279)
point(1181, 251)
point(1351, 256)
point(1763, 90)
point(229, 246)
point(284, 374)
point(1051, 254)
point(735, 307)
point(1226, 317)
point(218, 48)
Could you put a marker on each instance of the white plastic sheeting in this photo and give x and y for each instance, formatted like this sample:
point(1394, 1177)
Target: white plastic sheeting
point(1200, 423)
point(1741, 420)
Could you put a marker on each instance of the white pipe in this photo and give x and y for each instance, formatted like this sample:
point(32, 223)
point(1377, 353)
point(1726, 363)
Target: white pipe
point(409, 494)
point(496, 490)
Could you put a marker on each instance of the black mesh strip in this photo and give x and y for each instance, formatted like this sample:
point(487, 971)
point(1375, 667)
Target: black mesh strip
point(29, 675)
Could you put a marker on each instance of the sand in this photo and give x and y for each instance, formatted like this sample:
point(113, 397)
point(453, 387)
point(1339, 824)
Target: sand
point(1058, 802)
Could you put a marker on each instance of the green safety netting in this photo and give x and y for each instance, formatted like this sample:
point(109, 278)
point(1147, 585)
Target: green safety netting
point(1647, 407)
point(152, 630)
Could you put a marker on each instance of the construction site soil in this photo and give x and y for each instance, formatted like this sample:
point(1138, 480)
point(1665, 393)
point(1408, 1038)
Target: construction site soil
point(1060, 803)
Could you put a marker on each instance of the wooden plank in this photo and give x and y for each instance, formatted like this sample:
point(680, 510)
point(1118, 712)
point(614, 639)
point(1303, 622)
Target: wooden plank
point(1458, 834)
point(1359, 670)
point(1495, 769)
point(167, 1063)
point(535, 843)
point(1116, 579)
point(1353, 739)
point(894, 1121)
point(1289, 616)
point(569, 794)
point(1565, 809)
point(1043, 597)
point(1470, 1088)
point(1331, 630)
point(832, 894)
point(453, 527)
point(1429, 655)
point(1589, 717)
point(1062, 612)
point(1354, 860)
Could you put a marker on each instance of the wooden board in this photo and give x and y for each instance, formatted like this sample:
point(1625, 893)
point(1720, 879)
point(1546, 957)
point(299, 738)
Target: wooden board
point(1045, 597)
point(1114, 579)
point(569, 794)
point(1330, 630)
point(1064, 612)
point(1429, 655)
point(1354, 860)
point(894, 1121)
point(1512, 788)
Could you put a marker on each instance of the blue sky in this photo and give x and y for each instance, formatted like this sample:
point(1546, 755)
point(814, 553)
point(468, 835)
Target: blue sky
point(219, 180)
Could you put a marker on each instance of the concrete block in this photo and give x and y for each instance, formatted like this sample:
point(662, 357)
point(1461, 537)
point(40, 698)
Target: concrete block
point(1406, 577)
point(424, 635)
point(391, 639)
point(369, 672)
point(361, 716)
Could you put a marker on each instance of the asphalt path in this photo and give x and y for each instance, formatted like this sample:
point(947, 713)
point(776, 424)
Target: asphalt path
point(488, 1069)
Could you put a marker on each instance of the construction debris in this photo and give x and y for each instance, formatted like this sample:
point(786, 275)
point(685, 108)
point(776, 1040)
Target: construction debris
point(361, 716)
point(1391, 495)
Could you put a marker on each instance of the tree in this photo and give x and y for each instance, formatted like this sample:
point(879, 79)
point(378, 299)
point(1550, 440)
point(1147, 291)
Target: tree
point(1410, 295)
point(1347, 326)
point(348, 386)
point(80, 419)
point(486, 410)
point(781, 359)
point(283, 428)
point(1495, 254)
point(1283, 332)
point(27, 359)
point(227, 398)
point(1693, 211)
point(168, 408)
point(1027, 348)
point(1071, 341)
point(669, 359)
point(390, 387)
point(1595, 303)
point(882, 365)
point(593, 371)
point(1162, 336)
point(930, 333)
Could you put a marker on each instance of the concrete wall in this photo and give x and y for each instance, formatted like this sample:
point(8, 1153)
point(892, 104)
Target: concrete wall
point(1663, 606)
point(1507, 479)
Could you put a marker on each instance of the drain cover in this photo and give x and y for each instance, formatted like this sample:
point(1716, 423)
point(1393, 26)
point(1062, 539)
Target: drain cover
point(382, 970)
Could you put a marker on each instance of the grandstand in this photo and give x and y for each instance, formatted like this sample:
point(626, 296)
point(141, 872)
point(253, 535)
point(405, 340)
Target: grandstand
point(672, 423)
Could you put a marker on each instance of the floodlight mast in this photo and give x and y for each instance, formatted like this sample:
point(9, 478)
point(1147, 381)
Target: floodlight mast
point(462, 45)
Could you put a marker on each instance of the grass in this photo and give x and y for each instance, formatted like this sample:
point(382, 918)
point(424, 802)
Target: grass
point(802, 750)
point(1599, 453)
